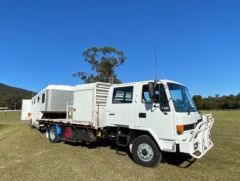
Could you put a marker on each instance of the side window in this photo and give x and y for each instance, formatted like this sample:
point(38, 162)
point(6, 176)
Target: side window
point(160, 96)
point(145, 95)
point(43, 98)
point(38, 99)
point(163, 99)
point(122, 95)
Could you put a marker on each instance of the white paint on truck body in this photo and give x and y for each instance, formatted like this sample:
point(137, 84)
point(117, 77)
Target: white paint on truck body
point(127, 107)
point(89, 105)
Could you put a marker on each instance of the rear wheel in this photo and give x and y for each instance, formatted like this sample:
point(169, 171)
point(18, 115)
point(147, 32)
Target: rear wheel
point(52, 134)
point(145, 152)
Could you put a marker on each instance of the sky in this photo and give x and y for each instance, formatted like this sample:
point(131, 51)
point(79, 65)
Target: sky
point(197, 41)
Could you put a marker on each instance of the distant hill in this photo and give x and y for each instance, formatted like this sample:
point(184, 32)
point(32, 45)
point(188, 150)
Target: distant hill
point(11, 97)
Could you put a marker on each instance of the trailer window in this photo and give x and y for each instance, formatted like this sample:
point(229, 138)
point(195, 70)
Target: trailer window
point(122, 95)
point(38, 99)
point(43, 98)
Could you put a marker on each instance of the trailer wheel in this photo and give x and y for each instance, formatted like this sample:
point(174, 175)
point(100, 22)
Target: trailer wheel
point(145, 152)
point(52, 134)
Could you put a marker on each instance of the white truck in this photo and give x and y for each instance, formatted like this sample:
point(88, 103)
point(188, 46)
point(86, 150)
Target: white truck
point(149, 117)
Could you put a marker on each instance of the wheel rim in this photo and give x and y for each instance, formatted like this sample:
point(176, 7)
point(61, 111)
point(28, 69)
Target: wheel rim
point(52, 134)
point(145, 152)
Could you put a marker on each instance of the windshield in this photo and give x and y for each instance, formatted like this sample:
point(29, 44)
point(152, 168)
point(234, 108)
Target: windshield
point(181, 99)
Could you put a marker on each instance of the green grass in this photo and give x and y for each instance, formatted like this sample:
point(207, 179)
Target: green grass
point(2, 126)
point(26, 154)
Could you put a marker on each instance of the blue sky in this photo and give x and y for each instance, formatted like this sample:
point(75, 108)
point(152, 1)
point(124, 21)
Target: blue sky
point(198, 41)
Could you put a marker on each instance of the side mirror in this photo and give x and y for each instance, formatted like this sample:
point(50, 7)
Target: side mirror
point(151, 90)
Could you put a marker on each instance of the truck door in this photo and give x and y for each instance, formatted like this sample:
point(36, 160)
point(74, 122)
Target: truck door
point(121, 109)
point(151, 115)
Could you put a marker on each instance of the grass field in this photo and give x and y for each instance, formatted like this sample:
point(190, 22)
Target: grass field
point(26, 154)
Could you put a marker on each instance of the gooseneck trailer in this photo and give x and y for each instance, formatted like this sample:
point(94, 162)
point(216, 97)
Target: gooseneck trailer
point(148, 117)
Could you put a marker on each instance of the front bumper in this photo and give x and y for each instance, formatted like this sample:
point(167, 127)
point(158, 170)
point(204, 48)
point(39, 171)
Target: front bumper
point(199, 142)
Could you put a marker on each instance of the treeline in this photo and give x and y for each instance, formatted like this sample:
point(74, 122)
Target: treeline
point(217, 102)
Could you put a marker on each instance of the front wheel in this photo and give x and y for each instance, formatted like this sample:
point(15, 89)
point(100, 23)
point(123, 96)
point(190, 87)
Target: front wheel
point(145, 151)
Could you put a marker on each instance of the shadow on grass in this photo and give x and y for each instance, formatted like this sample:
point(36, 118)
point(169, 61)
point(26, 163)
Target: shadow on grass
point(176, 159)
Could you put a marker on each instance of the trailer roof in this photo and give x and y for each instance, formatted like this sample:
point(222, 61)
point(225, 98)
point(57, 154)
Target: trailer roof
point(56, 87)
point(60, 87)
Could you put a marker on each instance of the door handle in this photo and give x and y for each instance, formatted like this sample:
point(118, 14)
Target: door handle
point(111, 114)
point(142, 115)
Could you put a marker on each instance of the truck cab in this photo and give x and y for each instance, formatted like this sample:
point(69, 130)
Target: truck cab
point(161, 112)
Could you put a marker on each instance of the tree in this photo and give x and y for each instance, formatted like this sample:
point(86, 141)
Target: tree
point(198, 100)
point(218, 102)
point(103, 61)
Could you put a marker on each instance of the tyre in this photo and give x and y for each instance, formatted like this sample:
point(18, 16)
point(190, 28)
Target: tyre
point(53, 135)
point(145, 151)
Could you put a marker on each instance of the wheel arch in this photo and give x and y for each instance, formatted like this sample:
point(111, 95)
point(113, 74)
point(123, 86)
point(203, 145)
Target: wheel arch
point(137, 133)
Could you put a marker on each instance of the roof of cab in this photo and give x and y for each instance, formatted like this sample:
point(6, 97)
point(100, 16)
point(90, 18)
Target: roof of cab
point(145, 82)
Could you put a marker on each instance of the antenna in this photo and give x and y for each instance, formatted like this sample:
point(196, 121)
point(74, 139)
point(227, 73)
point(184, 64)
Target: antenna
point(155, 63)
